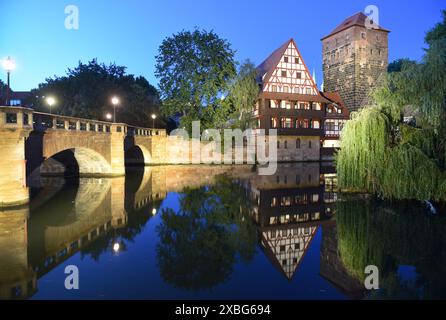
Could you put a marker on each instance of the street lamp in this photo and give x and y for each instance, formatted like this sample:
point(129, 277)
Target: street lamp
point(50, 101)
point(108, 116)
point(8, 65)
point(153, 120)
point(115, 102)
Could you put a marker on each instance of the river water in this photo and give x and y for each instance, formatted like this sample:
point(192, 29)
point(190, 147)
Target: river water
point(218, 232)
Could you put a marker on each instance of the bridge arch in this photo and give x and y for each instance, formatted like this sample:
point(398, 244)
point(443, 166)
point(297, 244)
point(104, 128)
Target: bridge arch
point(81, 161)
point(137, 155)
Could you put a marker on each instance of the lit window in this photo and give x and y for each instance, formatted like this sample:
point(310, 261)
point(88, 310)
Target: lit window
point(273, 122)
point(286, 122)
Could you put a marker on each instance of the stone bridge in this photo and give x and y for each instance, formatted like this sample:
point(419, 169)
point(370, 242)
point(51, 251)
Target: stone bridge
point(35, 143)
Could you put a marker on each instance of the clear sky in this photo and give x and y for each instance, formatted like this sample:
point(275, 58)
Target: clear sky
point(128, 32)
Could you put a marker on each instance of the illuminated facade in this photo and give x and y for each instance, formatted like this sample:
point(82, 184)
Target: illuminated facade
point(290, 102)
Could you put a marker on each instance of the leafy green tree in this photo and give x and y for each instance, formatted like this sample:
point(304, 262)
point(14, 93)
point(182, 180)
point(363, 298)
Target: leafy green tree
point(86, 91)
point(194, 68)
point(242, 95)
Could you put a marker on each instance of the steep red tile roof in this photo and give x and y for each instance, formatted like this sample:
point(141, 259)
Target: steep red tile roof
point(335, 97)
point(358, 19)
point(270, 63)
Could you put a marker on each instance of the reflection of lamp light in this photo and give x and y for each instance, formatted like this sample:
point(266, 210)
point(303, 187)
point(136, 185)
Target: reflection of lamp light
point(154, 211)
point(116, 247)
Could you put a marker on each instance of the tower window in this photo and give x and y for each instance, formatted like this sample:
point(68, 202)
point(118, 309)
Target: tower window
point(363, 35)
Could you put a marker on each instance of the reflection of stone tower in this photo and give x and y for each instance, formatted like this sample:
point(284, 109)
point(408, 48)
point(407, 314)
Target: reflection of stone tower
point(355, 54)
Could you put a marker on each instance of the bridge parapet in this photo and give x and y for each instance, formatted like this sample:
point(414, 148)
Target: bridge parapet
point(44, 121)
point(15, 117)
point(140, 131)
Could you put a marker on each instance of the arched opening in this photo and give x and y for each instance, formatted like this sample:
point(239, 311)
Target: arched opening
point(134, 156)
point(74, 163)
point(137, 155)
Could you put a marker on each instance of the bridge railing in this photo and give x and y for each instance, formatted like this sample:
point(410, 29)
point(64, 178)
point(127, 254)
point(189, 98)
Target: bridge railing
point(139, 131)
point(21, 117)
point(45, 121)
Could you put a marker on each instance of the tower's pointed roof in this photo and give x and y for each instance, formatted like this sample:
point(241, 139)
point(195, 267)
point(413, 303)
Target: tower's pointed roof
point(358, 19)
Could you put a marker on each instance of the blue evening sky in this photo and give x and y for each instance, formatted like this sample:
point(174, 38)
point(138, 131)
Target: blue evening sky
point(129, 32)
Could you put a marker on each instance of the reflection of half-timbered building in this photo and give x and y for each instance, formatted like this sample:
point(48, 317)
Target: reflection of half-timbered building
point(288, 207)
point(290, 102)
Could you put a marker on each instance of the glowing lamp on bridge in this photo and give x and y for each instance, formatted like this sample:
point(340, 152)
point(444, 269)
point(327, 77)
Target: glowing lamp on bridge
point(8, 65)
point(108, 116)
point(51, 102)
point(153, 120)
point(153, 211)
point(115, 102)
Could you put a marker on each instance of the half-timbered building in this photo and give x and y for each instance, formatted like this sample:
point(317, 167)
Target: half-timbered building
point(290, 102)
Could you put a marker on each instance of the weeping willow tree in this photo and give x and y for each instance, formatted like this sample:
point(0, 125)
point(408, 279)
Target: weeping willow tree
point(383, 155)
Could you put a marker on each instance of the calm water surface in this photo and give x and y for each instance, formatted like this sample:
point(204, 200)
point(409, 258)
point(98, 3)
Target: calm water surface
point(218, 232)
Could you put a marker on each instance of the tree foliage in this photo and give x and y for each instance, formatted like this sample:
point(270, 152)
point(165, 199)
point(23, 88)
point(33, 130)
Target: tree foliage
point(86, 91)
point(194, 68)
point(382, 154)
point(242, 95)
